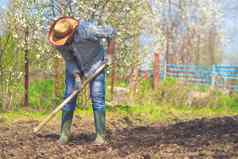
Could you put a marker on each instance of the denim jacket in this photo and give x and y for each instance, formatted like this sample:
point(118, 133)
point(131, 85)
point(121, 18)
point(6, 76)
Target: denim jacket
point(85, 54)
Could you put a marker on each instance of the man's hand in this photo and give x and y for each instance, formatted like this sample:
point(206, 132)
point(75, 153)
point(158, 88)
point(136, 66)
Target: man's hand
point(78, 82)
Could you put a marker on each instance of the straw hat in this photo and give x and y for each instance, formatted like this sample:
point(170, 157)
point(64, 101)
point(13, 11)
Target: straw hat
point(61, 30)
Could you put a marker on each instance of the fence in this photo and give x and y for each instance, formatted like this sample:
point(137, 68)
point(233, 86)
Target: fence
point(222, 76)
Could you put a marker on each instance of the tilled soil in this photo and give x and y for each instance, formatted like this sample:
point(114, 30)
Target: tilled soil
point(201, 138)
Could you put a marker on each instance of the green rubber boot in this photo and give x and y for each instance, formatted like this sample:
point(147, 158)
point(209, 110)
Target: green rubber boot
point(99, 121)
point(66, 123)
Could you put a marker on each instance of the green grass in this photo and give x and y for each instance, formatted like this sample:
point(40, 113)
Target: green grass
point(164, 105)
point(169, 113)
point(41, 95)
point(146, 113)
point(21, 115)
point(31, 115)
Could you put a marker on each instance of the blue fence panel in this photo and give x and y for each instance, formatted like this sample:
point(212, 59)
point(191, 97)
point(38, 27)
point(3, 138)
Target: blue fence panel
point(202, 74)
point(228, 72)
point(196, 73)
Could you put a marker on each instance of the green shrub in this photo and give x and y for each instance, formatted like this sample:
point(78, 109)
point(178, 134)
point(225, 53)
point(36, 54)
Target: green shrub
point(176, 93)
point(41, 94)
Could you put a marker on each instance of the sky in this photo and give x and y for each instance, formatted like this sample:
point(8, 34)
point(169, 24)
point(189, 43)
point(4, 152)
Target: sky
point(230, 27)
point(3, 3)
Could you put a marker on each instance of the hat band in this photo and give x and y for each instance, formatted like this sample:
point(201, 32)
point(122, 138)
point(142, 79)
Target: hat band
point(59, 35)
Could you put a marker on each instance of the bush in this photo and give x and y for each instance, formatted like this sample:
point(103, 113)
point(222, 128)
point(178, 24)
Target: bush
point(176, 93)
point(41, 95)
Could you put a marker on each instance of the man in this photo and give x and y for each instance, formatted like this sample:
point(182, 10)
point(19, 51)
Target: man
point(79, 42)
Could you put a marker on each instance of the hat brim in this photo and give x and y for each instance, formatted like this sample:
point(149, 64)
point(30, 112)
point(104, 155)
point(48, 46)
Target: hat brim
point(62, 41)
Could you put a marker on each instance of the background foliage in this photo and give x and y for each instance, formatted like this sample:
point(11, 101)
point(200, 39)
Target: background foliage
point(182, 31)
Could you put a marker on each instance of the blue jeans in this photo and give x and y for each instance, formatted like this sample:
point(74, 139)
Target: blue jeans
point(97, 91)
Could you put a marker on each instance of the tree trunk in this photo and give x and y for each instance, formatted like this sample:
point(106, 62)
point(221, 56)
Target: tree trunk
point(211, 46)
point(26, 76)
point(133, 81)
point(197, 60)
point(57, 76)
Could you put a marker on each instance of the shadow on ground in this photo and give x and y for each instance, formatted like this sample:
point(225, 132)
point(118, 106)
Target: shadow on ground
point(201, 138)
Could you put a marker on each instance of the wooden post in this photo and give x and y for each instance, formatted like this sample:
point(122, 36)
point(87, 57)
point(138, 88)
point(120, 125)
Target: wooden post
point(165, 67)
point(145, 75)
point(112, 79)
point(156, 71)
point(213, 78)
